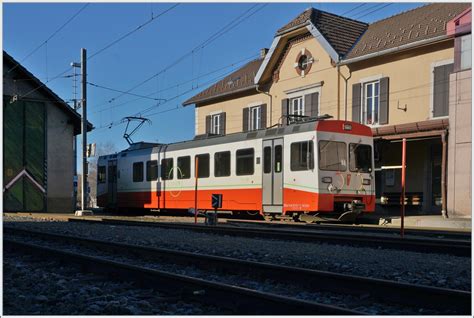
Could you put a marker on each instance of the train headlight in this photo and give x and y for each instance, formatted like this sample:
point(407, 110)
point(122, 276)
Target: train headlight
point(326, 179)
point(366, 181)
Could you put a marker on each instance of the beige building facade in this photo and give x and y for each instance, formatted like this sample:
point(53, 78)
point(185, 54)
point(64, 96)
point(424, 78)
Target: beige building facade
point(392, 75)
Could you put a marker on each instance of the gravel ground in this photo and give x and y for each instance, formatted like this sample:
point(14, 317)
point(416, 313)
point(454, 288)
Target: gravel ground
point(33, 286)
point(427, 269)
point(362, 303)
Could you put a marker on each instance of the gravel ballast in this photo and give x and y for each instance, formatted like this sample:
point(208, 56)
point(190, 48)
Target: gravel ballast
point(427, 269)
point(34, 286)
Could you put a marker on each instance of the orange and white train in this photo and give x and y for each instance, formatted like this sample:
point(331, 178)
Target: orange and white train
point(319, 167)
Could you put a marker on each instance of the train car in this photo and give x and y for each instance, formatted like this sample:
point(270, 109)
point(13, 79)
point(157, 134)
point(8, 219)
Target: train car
point(322, 167)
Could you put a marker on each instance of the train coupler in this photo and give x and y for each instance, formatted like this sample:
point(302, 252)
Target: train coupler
point(353, 210)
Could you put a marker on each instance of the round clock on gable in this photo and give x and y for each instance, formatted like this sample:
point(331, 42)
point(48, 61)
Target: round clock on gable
point(303, 63)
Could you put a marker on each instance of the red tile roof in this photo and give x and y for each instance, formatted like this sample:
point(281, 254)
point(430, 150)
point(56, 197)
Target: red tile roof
point(238, 81)
point(340, 32)
point(421, 23)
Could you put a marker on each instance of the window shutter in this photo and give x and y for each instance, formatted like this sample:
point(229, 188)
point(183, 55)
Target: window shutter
point(222, 123)
point(356, 90)
point(263, 116)
point(441, 90)
point(245, 119)
point(457, 53)
point(284, 110)
point(384, 101)
point(311, 103)
point(208, 124)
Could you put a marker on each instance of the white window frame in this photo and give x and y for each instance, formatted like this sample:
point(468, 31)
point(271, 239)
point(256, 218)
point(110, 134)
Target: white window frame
point(215, 123)
point(255, 115)
point(433, 65)
point(364, 103)
point(362, 82)
point(299, 110)
point(301, 92)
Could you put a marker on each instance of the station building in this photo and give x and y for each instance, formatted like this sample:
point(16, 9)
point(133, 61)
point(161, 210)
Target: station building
point(38, 157)
point(397, 75)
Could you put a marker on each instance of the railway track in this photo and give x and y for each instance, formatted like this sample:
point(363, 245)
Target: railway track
point(424, 245)
point(358, 292)
point(440, 234)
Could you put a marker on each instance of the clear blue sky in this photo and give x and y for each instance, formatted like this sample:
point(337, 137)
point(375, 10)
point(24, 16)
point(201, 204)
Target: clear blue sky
point(149, 50)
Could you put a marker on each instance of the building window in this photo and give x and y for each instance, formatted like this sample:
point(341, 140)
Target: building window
point(244, 162)
point(167, 169)
point(222, 164)
point(101, 174)
point(466, 57)
point(151, 170)
point(297, 106)
point(302, 156)
point(332, 155)
point(203, 165)
point(216, 124)
point(184, 167)
point(255, 118)
point(370, 110)
point(137, 171)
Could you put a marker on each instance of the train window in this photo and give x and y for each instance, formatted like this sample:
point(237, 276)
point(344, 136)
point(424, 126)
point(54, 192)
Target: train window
point(360, 158)
point(222, 164)
point(137, 171)
point(152, 170)
point(267, 160)
point(332, 155)
point(203, 165)
point(302, 156)
point(244, 162)
point(101, 174)
point(167, 169)
point(184, 167)
point(278, 158)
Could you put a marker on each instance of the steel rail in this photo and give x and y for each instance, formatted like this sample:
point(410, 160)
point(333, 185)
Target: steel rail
point(423, 245)
point(441, 234)
point(380, 289)
point(242, 300)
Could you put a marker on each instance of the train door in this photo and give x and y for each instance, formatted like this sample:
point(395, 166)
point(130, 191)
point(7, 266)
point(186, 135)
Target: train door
point(112, 183)
point(272, 176)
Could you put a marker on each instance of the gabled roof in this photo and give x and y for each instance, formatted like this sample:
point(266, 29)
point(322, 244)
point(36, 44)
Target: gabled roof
point(340, 32)
point(422, 23)
point(25, 74)
point(238, 81)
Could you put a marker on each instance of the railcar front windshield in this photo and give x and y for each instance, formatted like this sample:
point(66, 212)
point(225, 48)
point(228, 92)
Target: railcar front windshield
point(360, 158)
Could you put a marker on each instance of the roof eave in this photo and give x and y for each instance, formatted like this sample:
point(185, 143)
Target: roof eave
point(293, 28)
point(396, 49)
point(186, 103)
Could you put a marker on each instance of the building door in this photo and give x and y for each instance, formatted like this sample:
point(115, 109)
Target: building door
point(24, 155)
point(112, 183)
point(272, 176)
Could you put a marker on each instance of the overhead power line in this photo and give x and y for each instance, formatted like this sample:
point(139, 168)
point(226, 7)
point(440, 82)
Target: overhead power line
point(133, 31)
point(119, 91)
point(96, 53)
point(375, 10)
point(50, 37)
point(178, 84)
point(238, 20)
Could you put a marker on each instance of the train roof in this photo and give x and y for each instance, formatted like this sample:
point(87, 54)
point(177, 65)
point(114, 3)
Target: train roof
point(336, 126)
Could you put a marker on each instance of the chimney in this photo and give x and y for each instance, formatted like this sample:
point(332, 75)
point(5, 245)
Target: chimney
point(263, 52)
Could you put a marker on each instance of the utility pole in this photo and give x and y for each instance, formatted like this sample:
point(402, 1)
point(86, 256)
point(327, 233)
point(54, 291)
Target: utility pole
point(84, 210)
point(74, 145)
